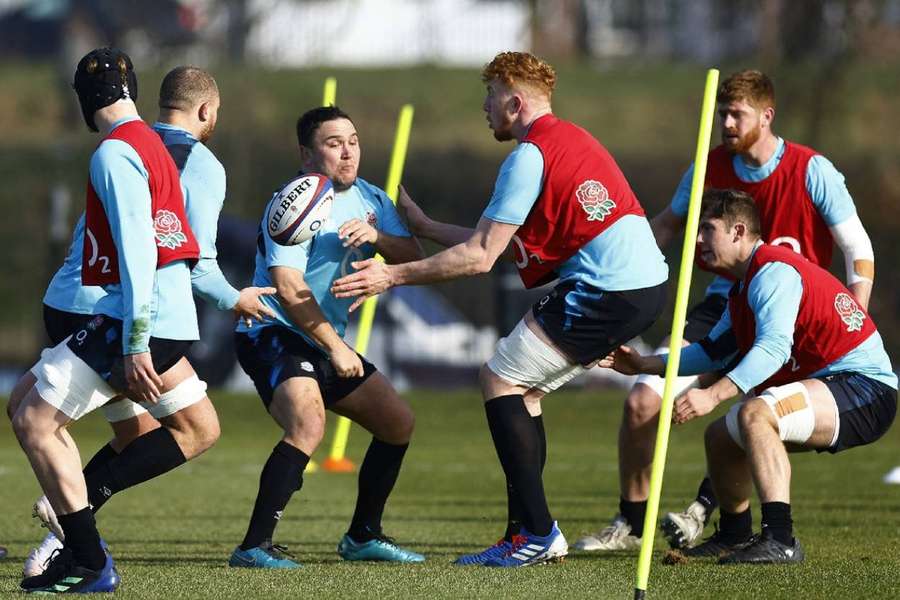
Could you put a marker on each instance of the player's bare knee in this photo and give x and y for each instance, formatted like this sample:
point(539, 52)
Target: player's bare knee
point(402, 428)
point(641, 406)
point(755, 414)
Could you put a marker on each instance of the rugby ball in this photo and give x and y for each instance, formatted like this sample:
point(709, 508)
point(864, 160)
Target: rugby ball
point(300, 209)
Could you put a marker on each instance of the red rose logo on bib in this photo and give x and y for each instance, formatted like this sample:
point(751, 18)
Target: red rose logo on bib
point(849, 312)
point(594, 200)
point(168, 230)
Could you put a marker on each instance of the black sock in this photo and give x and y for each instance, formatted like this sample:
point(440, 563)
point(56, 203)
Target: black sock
point(518, 445)
point(280, 478)
point(83, 538)
point(707, 497)
point(513, 505)
point(776, 519)
point(103, 456)
point(634, 513)
point(148, 456)
point(735, 528)
point(377, 476)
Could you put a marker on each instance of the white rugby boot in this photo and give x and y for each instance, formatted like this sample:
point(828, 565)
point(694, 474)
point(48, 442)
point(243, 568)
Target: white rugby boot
point(43, 511)
point(38, 559)
point(615, 536)
point(682, 529)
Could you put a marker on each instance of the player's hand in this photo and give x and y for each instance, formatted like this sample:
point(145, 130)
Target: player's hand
point(624, 359)
point(692, 404)
point(370, 279)
point(356, 233)
point(143, 382)
point(249, 307)
point(346, 362)
point(416, 219)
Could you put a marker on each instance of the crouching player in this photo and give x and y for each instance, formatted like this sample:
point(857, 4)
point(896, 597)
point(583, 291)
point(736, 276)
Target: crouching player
point(301, 365)
point(795, 333)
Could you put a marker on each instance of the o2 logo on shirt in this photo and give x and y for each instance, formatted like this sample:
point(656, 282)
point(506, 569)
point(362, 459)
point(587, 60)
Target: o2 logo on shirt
point(95, 253)
point(521, 256)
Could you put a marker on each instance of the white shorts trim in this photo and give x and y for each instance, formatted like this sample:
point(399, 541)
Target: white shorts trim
point(522, 358)
point(792, 409)
point(658, 384)
point(68, 384)
point(189, 392)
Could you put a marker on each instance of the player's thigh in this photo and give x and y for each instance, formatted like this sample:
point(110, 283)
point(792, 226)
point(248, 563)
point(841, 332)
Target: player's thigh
point(526, 362)
point(22, 387)
point(804, 413)
point(297, 405)
point(377, 407)
point(35, 417)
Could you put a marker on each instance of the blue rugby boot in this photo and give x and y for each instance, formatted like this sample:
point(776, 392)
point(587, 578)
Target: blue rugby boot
point(64, 576)
point(534, 550)
point(380, 548)
point(498, 550)
point(265, 556)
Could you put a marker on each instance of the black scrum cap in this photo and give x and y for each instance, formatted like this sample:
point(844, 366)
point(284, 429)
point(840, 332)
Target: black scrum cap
point(102, 77)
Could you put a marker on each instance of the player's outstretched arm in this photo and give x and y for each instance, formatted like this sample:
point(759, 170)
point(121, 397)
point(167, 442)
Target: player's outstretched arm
point(422, 226)
point(301, 306)
point(477, 255)
point(628, 361)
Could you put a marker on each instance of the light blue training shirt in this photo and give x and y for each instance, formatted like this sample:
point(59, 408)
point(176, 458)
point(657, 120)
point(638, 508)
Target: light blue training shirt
point(623, 257)
point(323, 258)
point(774, 297)
point(824, 183)
point(203, 185)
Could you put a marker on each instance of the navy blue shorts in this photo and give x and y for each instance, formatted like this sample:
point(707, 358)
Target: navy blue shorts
point(276, 354)
point(61, 324)
point(98, 342)
point(867, 408)
point(703, 316)
point(605, 321)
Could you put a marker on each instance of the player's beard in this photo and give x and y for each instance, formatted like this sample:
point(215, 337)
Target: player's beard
point(207, 131)
point(744, 142)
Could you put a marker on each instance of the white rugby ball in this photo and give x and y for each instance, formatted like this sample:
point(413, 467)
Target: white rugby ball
point(300, 209)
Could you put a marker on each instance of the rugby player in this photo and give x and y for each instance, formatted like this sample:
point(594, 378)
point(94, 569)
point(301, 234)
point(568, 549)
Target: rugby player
point(810, 364)
point(565, 211)
point(142, 327)
point(804, 205)
point(300, 363)
point(189, 102)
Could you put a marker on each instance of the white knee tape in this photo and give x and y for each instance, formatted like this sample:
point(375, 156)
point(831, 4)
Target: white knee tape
point(122, 410)
point(524, 359)
point(793, 410)
point(190, 391)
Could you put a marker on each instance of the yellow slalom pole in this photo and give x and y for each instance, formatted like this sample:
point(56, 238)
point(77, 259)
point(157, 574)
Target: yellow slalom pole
point(675, 340)
point(336, 461)
point(329, 92)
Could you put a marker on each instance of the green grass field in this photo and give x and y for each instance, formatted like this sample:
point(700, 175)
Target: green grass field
point(171, 537)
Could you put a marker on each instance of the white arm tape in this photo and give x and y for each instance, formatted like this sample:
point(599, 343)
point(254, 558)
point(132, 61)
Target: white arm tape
point(854, 242)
